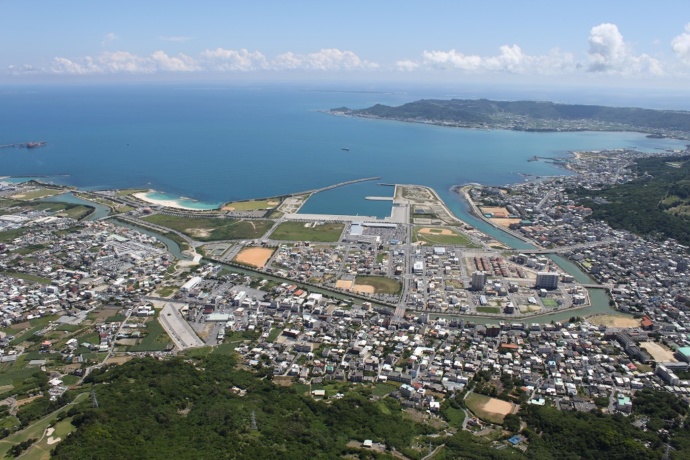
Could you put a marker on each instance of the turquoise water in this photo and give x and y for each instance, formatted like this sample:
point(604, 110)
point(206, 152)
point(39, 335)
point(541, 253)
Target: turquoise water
point(214, 144)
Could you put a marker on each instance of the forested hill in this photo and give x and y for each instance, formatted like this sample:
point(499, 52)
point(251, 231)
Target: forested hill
point(530, 116)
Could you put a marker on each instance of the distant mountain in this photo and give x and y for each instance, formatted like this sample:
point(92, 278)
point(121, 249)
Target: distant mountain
point(530, 116)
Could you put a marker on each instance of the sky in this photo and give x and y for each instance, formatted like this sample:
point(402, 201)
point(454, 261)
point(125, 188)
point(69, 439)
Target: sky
point(628, 43)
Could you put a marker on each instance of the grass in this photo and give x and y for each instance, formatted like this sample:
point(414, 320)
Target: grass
point(156, 339)
point(37, 193)
point(76, 212)
point(435, 237)
point(475, 402)
point(549, 303)
point(41, 450)
point(252, 205)
point(301, 231)
point(488, 310)
point(380, 284)
point(129, 191)
point(274, 334)
point(10, 235)
point(35, 430)
point(383, 389)
point(213, 229)
point(27, 277)
point(35, 325)
point(455, 417)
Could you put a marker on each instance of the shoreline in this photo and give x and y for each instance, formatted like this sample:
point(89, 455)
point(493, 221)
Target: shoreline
point(143, 196)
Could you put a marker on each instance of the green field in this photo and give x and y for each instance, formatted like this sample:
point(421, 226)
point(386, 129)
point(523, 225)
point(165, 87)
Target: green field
point(156, 338)
point(251, 205)
point(306, 231)
point(36, 429)
point(27, 277)
point(549, 303)
point(213, 229)
point(37, 193)
point(435, 237)
point(475, 402)
point(488, 310)
point(380, 284)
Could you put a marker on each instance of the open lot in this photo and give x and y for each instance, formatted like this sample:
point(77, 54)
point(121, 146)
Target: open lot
point(308, 231)
point(213, 229)
point(379, 284)
point(436, 235)
point(254, 256)
point(490, 409)
point(344, 284)
point(251, 205)
point(36, 193)
point(659, 352)
point(614, 321)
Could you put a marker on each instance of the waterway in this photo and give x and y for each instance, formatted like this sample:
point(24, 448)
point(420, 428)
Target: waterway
point(99, 210)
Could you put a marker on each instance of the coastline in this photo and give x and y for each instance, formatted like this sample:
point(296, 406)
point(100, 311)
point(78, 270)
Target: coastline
point(144, 196)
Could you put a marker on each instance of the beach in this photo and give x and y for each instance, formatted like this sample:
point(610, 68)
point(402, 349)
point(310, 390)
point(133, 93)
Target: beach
point(143, 196)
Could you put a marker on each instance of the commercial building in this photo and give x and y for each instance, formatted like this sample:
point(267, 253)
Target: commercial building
point(478, 280)
point(547, 280)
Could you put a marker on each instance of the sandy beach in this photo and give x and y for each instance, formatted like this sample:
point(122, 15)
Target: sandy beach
point(143, 196)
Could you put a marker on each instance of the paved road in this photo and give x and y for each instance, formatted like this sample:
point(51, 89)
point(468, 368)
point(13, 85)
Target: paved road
point(179, 330)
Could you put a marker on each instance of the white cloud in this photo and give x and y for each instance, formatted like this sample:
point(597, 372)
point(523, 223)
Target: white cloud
point(232, 60)
point(511, 59)
point(211, 60)
point(328, 59)
point(108, 39)
point(681, 45)
point(609, 53)
point(407, 65)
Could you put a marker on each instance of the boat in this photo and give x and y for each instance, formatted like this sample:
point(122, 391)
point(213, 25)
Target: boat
point(346, 149)
point(33, 145)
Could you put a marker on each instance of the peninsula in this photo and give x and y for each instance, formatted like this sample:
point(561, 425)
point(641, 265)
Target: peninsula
point(531, 116)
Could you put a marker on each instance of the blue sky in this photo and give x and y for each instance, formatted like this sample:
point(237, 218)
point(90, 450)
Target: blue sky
point(610, 43)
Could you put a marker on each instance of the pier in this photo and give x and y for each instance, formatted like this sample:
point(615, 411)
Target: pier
point(379, 198)
point(340, 184)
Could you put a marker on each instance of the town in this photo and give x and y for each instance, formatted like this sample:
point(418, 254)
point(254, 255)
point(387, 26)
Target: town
point(419, 306)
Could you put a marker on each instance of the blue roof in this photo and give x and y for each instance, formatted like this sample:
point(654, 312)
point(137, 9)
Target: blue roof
point(515, 440)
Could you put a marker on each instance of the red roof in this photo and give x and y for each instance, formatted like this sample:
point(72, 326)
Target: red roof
point(646, 322)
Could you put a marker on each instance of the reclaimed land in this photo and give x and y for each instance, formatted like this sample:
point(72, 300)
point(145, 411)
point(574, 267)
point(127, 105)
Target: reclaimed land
point(213, 229)
point(305, 231)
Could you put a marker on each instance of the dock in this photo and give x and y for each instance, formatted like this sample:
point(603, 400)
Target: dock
point(379, 198)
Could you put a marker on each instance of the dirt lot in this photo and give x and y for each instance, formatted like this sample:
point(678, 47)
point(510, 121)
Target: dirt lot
point(256, 257)
point(498, 406)
point(614, 321)
point(119, 359)
point(344, 284)
point(658, 351)
point(436, 231)
point(364, 288)
point(494, 210)
point(505, 222)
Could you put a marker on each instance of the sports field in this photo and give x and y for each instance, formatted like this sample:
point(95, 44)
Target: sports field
point(254, 256)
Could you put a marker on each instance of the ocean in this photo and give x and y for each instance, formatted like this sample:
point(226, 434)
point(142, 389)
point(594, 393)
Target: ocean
point(212, 144)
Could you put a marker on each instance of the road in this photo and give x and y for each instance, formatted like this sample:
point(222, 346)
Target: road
point(179, 330)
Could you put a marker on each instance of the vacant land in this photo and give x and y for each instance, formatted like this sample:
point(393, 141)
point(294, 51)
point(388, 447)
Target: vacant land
point(490, 409)
point(308, 231)
point(435, 235)
point(251, 205)
point(213, 229)
point(344, 284)
point(254, 256)
point(614, 321)
point(659, 352)
point(488, 310)
point(37, 193)
point(380, 284)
